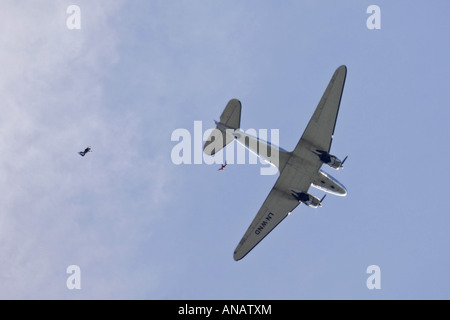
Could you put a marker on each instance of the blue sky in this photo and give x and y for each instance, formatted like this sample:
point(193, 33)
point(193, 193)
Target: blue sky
point(140, 227)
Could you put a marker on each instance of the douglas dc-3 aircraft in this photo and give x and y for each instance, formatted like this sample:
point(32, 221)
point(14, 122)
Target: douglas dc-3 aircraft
point(299, 169)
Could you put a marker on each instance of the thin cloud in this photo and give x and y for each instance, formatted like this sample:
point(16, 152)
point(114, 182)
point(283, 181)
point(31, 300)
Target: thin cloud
point(57, 208)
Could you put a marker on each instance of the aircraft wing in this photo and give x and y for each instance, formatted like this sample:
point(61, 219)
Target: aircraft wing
point(278, 204)
point(319, 132)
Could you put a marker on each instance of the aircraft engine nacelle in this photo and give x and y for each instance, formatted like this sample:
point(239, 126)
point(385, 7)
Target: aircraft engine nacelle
point(308, 199)
point(333, 161)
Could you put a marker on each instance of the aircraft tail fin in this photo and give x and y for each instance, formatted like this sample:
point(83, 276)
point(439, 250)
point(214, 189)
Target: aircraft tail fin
point(229, 120)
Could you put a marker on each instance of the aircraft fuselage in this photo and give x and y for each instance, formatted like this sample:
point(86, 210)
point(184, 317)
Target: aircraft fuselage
point(279, 157)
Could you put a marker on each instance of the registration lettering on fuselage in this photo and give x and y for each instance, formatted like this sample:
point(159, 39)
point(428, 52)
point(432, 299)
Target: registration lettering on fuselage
point(264, 223)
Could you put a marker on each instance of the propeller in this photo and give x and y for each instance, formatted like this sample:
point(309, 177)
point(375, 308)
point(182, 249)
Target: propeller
point(320, 202)
point(342, 163)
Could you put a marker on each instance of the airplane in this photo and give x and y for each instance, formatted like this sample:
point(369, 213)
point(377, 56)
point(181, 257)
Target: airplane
point(83, 153)
point(299, 169)
point(223, 167)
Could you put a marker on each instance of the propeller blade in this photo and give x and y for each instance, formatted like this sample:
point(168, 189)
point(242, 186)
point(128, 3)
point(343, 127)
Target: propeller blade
point(320, 202)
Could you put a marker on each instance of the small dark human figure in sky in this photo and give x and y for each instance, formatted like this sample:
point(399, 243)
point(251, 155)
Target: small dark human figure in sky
point(83, 153)
point(223, 167)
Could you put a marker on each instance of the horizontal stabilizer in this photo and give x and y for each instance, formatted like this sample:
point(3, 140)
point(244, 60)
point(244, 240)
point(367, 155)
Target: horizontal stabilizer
point(231, 116)
point(217, 140)
point(229, 120)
